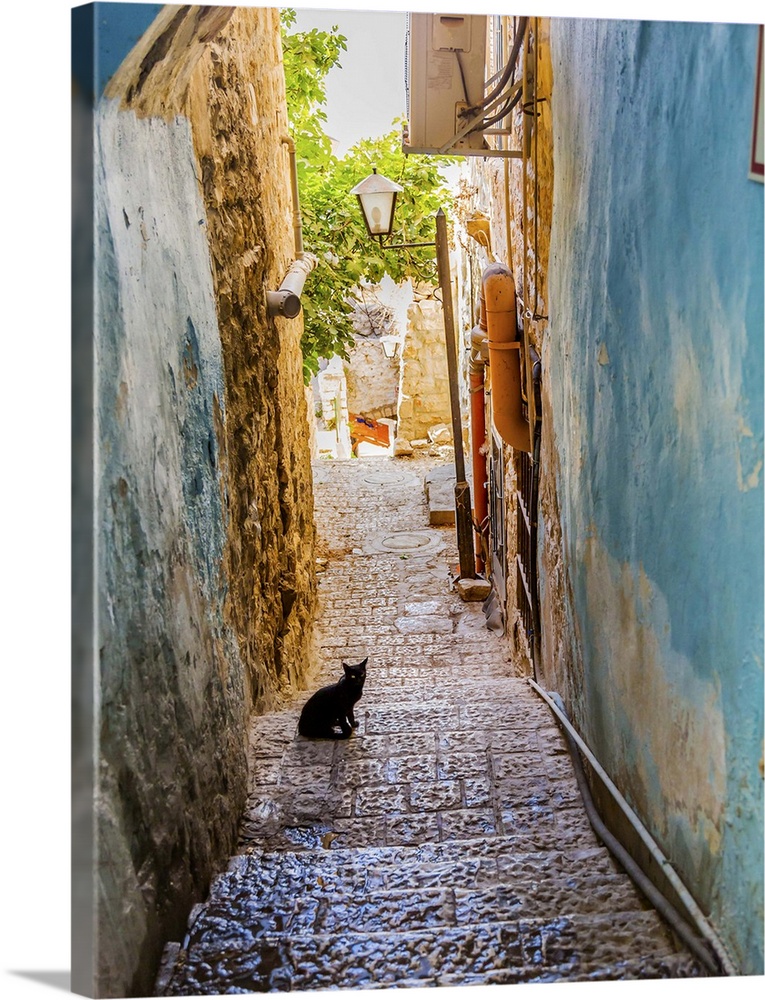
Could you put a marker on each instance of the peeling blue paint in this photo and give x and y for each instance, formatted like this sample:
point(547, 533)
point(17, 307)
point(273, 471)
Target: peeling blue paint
point(656, 379)
point(102, 36)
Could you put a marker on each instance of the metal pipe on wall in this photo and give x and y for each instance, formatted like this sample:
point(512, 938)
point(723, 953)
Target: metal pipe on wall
point(577, 744)
point(297, 223)
point(478, 445)
point(285, 301)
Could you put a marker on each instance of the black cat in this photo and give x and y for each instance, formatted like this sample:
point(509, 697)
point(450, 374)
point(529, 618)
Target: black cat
point(332, 706)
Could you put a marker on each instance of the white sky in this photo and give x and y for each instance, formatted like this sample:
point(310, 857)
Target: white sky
point(367, 91)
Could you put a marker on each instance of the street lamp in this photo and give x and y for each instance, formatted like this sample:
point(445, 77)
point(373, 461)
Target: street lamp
point(377, 198)
point(389, 345)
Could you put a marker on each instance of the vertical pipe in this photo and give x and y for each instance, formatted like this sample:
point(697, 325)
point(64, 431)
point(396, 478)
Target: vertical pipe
point(526, 149)
point(297, 223)
point(505, 357)
point(463, 510)
point(508, 231)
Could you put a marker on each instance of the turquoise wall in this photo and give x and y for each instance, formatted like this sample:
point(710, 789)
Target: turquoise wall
point(102, 36)
point(655, 373)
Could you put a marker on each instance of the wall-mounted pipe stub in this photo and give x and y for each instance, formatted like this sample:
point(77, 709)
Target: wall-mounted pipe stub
point(498, 295)
point(285, 301)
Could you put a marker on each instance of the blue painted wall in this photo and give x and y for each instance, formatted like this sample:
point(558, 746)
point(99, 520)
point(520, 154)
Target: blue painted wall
point(102, 35)
point(655, 375)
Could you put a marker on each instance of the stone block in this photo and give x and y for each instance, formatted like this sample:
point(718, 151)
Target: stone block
point(439, 490)
point(462, 765)
point(408, 769)
point(420, 829)
point(467, 824)
point(440, 434)
point(424, 624)
point(475, 589)
point(381, 800)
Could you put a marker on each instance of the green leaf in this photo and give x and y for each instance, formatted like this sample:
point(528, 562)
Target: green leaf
point(332, 225)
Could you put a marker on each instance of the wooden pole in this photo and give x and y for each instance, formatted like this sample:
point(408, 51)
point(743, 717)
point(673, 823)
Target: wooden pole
point(462, 504)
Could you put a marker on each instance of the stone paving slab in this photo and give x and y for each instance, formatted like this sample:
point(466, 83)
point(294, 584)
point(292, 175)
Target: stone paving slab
point(445, 842)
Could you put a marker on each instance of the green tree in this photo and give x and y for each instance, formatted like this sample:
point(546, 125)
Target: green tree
point(333, 228)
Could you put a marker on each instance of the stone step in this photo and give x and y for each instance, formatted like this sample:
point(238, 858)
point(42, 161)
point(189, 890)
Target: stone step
point(471, 865)
point(489, 701)
point(224, 955)
point(507, 852)
point(317, 905)
point(433, 687)
point(452, 711)
point(417, 865)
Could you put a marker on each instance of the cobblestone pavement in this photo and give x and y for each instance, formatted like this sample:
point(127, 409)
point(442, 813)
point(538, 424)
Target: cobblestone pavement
point(445, 843)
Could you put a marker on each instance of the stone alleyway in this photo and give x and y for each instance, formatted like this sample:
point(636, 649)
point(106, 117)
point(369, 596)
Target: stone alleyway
point(445, 843)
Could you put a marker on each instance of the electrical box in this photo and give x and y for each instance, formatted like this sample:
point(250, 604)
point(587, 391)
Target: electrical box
point(446, 72)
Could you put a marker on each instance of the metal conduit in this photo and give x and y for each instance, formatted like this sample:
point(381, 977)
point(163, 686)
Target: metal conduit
point(716, 958)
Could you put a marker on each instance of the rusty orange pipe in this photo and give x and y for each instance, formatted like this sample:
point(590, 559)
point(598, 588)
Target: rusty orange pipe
point(498, 293)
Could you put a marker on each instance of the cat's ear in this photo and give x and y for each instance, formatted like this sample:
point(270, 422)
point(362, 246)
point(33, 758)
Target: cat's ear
point(364, 662)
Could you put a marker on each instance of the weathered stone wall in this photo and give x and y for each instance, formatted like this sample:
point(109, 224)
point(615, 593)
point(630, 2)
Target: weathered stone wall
point(204, 509)
point(238, 119)
point(372, 379)
point(515, 197)
point(424, 376)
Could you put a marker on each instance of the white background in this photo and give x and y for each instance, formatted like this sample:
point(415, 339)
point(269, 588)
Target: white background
point(34, 453)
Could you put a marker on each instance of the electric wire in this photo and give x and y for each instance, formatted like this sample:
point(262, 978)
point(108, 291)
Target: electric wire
point(462, 75)
point(506, 73)
point(497, 93)
point(503, 112)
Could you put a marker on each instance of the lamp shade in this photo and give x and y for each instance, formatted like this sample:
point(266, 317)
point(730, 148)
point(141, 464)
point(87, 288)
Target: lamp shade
point(389, 345)
point(377, 198)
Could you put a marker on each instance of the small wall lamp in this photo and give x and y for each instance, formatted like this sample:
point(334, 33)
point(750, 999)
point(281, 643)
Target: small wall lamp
point(377, 198)
point(389, 345)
